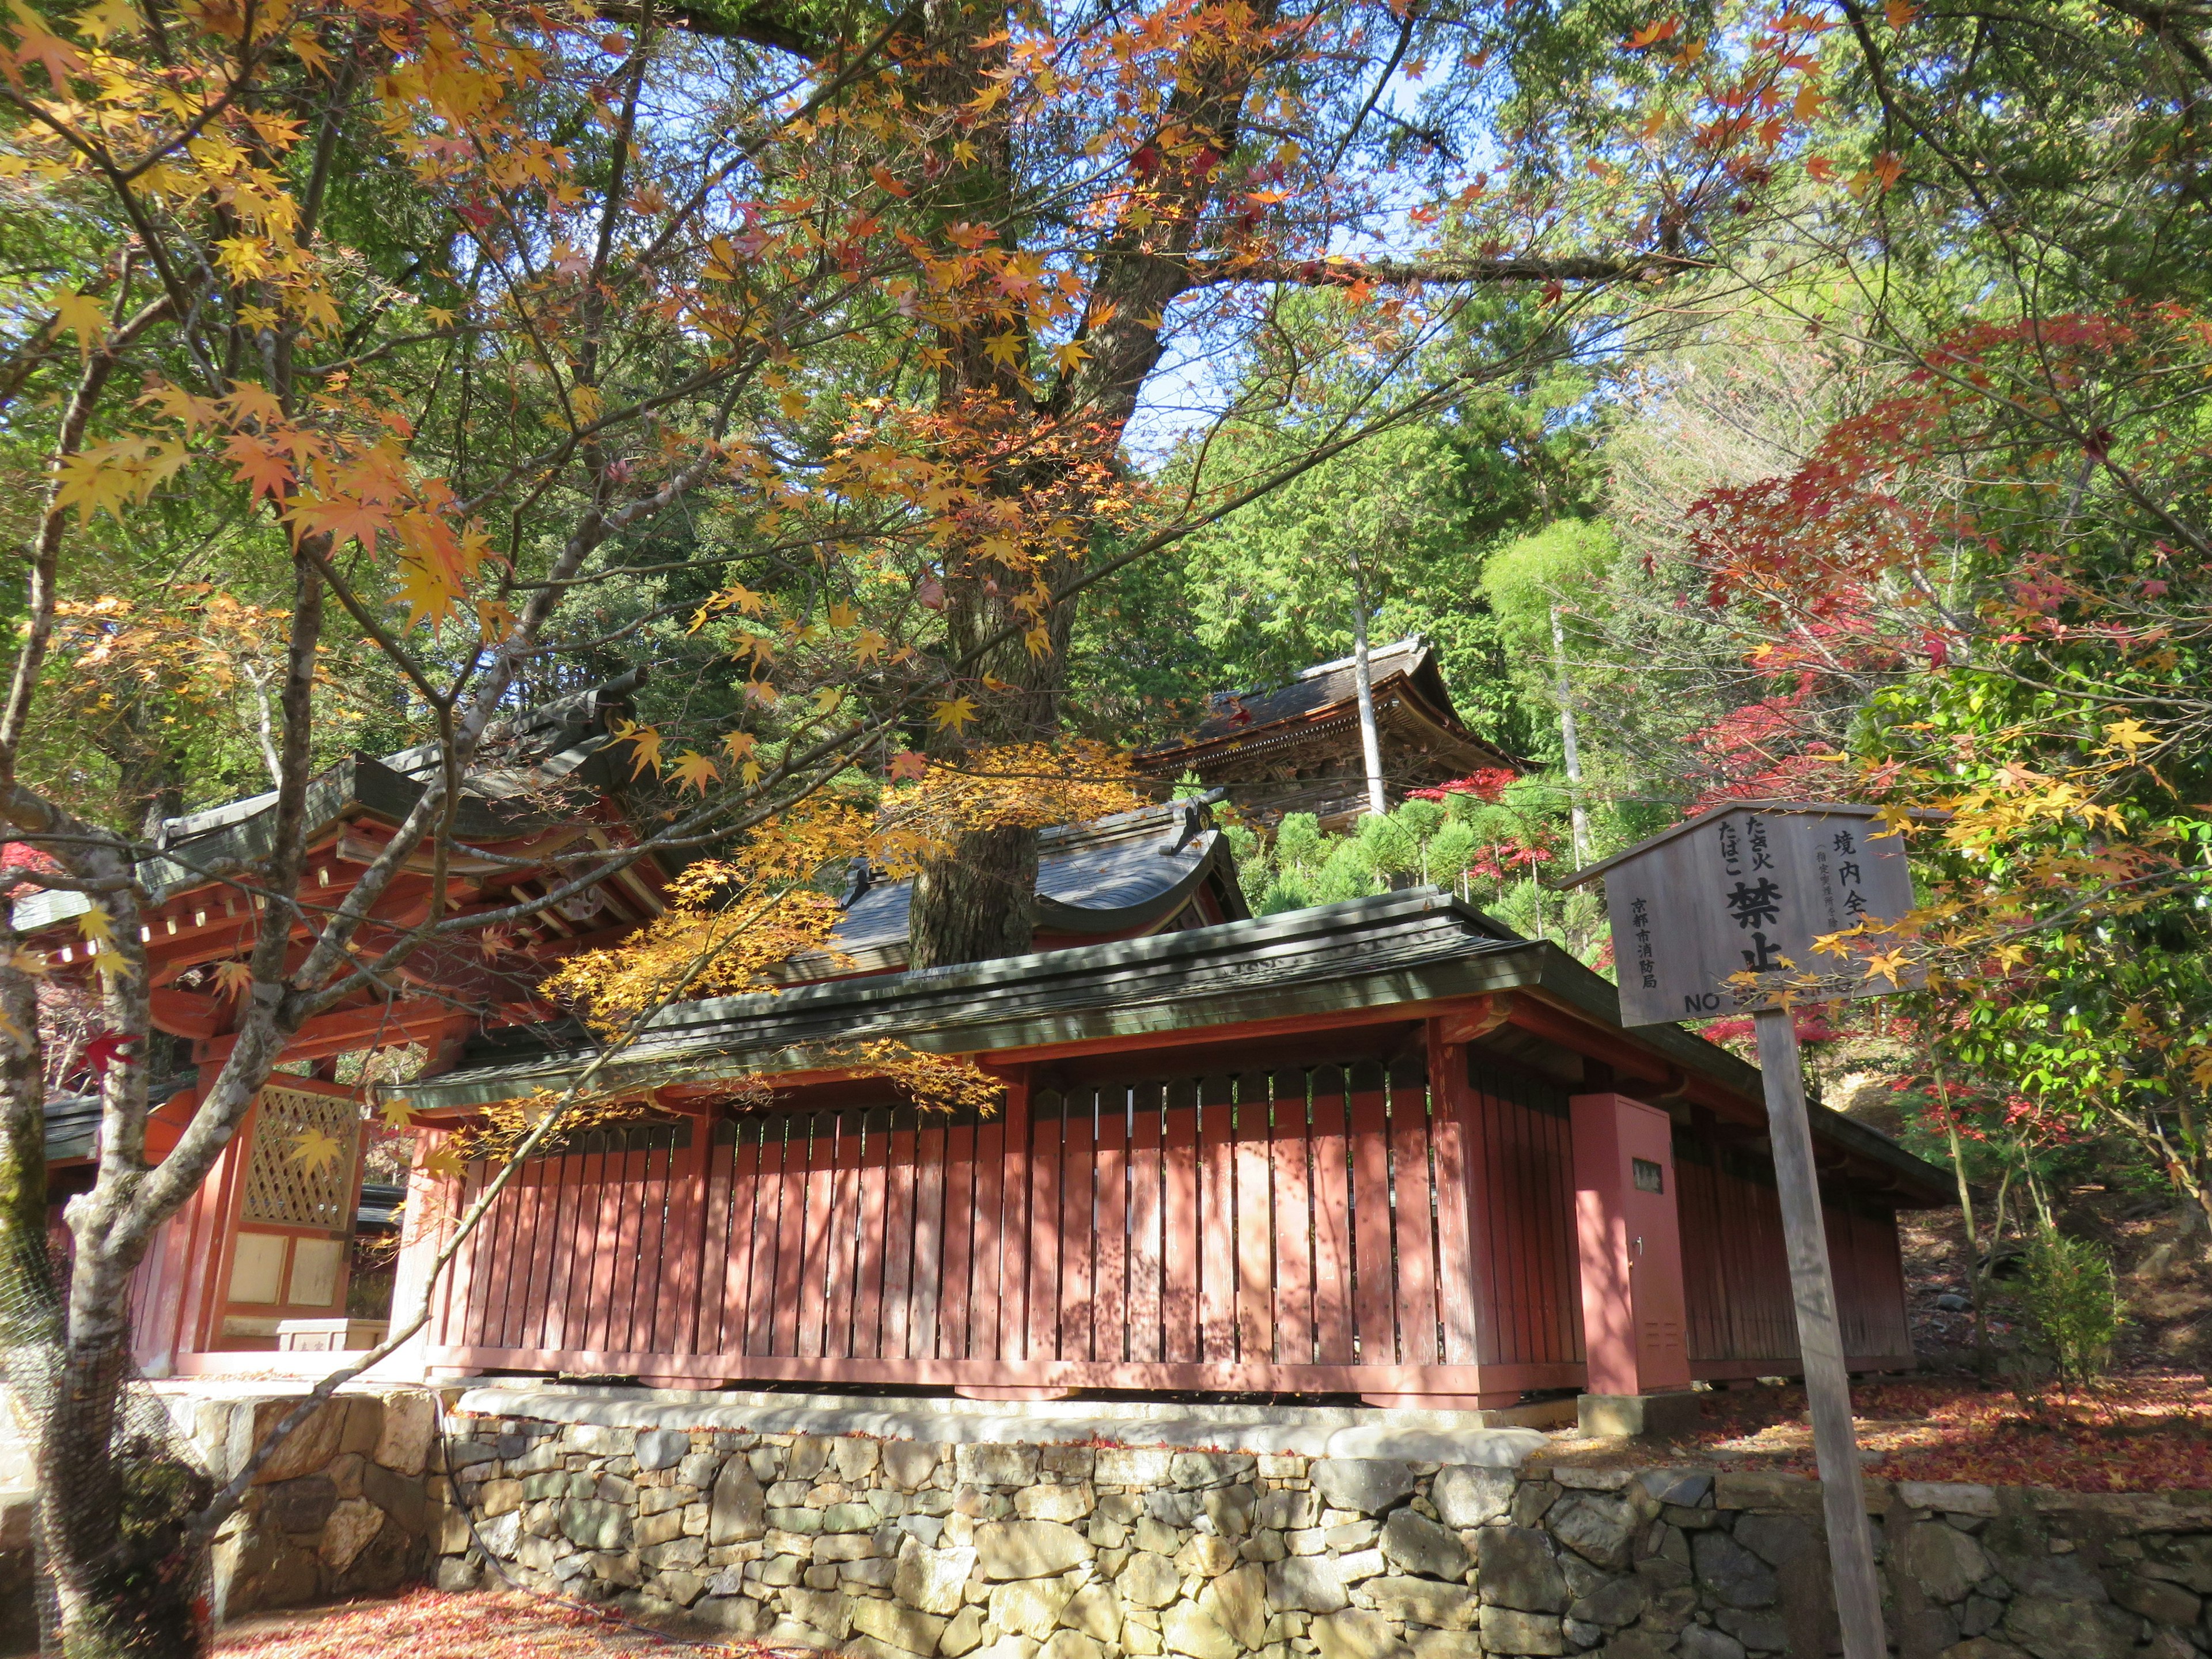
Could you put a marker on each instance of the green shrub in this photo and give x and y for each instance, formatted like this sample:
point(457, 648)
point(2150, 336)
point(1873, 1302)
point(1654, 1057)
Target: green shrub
point(2072, 1304)
point(1298, 838)
point(1422, 818)
point(1348, 873)
point(1387, 844)
point(1452, 852)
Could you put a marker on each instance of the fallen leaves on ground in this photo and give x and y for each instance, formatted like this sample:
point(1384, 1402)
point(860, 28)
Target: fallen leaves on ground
point(434, 1625)
point(2138, 1434)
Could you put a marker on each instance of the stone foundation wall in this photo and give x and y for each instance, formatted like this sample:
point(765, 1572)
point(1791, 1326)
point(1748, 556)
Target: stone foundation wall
point(899, 1547)
point(339, 1510)
point(894, 1548)
point(1640, 1564)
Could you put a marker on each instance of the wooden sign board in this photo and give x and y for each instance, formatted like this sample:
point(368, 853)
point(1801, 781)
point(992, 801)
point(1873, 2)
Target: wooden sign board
point(1748, 889)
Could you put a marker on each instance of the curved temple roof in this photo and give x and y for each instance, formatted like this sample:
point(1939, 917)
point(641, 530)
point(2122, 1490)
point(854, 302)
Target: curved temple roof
point(543, 748)
point(1323, 686)
point(1118, 875)
point(1308, 731)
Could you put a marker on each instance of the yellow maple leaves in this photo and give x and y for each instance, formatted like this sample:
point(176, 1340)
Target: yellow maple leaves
point(438, 561)
point(725, 935)
point(1006, 786)
point(740, 746)
point(314, 1150)
point(107, 478)
point(97, 929)
point(82, 315)
point(934, 1083)
point(2129, 735)
point(645, 745)
point(692, 770)
point(733, 922)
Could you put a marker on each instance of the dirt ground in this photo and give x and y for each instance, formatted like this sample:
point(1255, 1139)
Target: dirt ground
point(2148, 1427)
point(2165, 1281)
point(431, 1625)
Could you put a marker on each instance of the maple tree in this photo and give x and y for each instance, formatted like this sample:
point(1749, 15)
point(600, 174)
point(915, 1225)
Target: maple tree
point(1909, 507)
point(2054, 713)
point(400, 363)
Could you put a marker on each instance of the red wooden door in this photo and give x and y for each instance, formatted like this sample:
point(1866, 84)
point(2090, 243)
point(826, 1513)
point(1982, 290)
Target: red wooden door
point(1631, 1246)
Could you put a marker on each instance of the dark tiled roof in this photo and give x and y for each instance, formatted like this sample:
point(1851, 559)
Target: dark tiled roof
point(73, 1120)
point(1323, 686)
point(1283, 726)
point(541, 749)
point(1105, 876)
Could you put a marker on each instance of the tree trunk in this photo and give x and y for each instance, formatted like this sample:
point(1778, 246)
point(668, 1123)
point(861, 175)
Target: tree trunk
point(1570, 744)
point(116, 1496)
point(976, 902)
point(971, 902)
point(1371, 740)
point(115, 1503)
point(27, 1300)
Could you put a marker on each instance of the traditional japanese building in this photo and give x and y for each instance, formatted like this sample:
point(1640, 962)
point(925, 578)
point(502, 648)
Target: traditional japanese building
point(1297, 748)
point(1385, 1150)
point(260, 1260)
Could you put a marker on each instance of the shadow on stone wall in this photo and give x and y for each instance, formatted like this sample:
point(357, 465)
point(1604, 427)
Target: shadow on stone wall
point(908, 1550)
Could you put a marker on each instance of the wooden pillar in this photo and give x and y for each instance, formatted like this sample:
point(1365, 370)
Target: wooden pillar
point(222, 1196)
point(1819, 1337)
point(1629, 1240)
point(426, 1222)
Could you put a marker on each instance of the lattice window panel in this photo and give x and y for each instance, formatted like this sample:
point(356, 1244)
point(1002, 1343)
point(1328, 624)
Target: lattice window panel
point(279, 1188)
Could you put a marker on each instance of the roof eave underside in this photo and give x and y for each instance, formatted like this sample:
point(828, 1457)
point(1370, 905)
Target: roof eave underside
point(1440, 727)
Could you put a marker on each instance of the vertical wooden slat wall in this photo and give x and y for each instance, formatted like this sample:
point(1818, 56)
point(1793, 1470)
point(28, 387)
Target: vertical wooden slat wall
point(1735, 1267)
point(1316, 1216)
point(1523, 1147)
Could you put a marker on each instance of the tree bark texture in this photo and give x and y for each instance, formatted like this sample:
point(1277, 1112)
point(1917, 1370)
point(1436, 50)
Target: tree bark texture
point(978, 902)
point(977, 899)
point(29, 1304)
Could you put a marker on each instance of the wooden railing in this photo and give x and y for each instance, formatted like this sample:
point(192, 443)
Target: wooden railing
point(1327, 1229)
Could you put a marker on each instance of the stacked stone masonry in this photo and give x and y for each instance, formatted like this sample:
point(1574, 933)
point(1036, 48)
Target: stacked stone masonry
point(900, 1549)
point(340, 1510)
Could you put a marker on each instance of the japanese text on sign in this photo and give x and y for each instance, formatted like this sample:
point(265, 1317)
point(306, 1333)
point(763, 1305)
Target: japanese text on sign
point(1750, 892)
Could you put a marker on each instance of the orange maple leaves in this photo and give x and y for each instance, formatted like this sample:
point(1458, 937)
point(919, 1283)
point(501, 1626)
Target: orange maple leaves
point(341, 474)
point(734, 921)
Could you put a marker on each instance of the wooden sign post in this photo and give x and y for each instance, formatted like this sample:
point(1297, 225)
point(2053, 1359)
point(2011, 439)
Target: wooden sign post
point(1747, 889)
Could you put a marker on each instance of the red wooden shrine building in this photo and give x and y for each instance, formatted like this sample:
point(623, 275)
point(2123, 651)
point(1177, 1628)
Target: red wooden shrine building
point(1383, 1149)
point(260, 1258)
